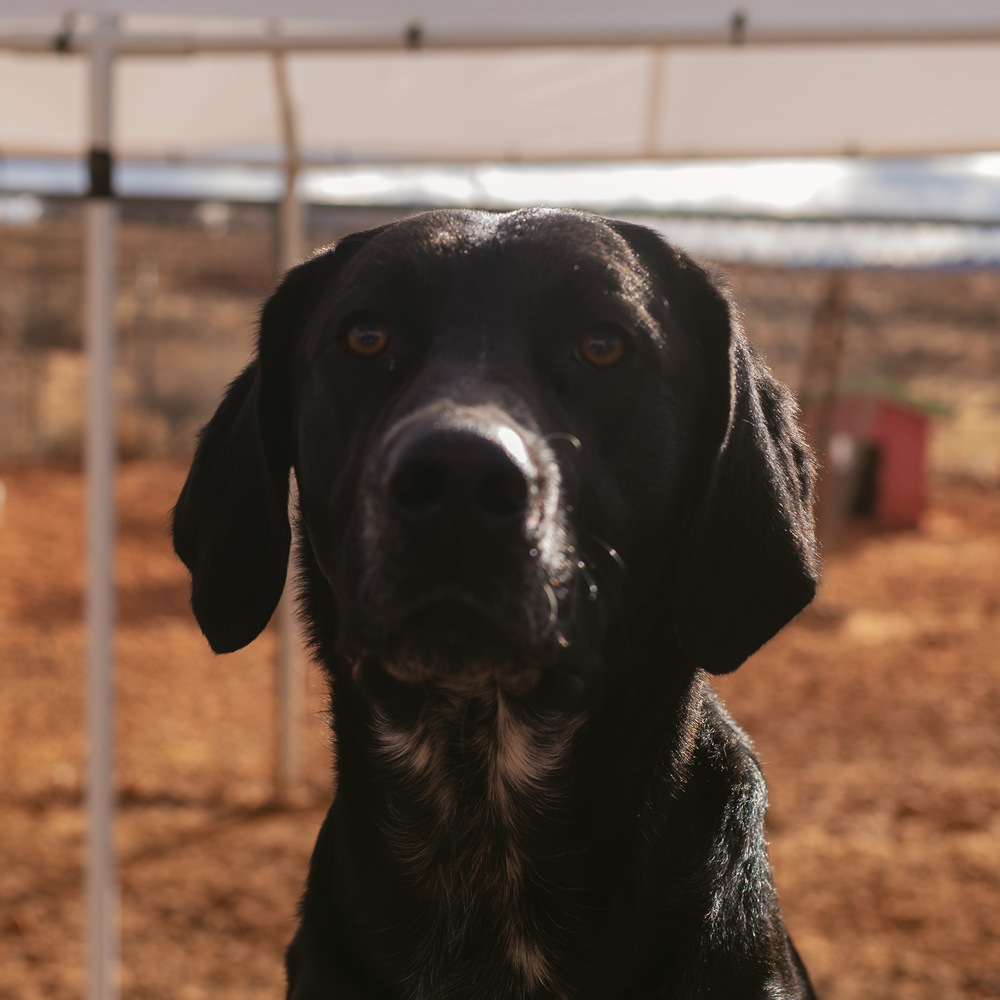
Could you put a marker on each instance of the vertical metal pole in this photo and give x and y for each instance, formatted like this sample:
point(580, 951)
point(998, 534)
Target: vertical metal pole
point(289, 674)
point(100, 266)
point(289, 682)
point(654, 102)
point(292, 223)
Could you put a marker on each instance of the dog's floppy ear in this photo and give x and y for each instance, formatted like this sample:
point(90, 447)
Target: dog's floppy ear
point(748, 561)
point(230, 524)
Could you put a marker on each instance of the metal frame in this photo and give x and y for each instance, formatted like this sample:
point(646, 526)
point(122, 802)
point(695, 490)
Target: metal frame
point(100, 290)
point(289, 673)
point(414, 37)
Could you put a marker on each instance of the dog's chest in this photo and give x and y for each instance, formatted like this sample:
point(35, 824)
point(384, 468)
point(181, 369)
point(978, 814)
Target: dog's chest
point(475, 792)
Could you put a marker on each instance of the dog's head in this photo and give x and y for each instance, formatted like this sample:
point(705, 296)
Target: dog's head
point(519, 440)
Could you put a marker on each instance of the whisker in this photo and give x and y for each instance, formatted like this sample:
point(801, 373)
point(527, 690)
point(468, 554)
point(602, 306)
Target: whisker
point(592, 589)
point(613, 552)
point(553, 610)
point(564, 436)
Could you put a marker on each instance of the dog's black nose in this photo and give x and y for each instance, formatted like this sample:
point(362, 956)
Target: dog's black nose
point(483, 476)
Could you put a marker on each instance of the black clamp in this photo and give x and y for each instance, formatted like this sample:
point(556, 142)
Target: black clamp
point(738, 27)
point(100, 163)
point(414, 36)
point(63, 42)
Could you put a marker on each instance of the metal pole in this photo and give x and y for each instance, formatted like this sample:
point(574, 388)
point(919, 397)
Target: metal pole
point(99, 266)
point(292, 226)
point(413, 36)
point(289, 674)
point(289, 682)
point(654, 105)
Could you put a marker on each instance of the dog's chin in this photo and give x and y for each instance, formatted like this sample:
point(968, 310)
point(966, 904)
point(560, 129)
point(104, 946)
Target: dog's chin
point(452, 642)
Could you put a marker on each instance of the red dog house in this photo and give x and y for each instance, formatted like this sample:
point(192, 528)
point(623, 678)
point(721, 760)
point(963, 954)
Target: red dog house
point(875, 469)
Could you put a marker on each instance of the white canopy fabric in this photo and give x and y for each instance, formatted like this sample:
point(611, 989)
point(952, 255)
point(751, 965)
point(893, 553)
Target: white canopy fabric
point(524, 105)
point(550, 80)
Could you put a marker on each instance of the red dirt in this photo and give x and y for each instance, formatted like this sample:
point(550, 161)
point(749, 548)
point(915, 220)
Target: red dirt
point(877, 716)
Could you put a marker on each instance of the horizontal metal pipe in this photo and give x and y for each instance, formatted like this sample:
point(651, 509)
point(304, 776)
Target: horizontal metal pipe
point(174, 45)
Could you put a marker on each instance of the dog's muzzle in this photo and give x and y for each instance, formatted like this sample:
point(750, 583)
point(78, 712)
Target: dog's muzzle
point(466, 550)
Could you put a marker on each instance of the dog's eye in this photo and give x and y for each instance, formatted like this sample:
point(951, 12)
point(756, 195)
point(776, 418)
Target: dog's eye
point(602, 348)
point(366, 339)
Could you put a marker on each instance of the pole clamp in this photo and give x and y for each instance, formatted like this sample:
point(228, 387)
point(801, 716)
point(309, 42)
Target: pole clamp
point(100, 163)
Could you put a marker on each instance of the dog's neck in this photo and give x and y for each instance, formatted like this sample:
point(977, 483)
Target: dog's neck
point(499, 835)
point(474, 785)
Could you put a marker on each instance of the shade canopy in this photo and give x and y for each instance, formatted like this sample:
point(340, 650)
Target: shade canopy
point(544, 80)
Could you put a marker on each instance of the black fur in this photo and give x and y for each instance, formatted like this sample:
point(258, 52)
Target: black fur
point(518, 565)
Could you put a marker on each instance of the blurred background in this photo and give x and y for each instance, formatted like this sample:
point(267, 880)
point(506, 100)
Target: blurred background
point(841, 171)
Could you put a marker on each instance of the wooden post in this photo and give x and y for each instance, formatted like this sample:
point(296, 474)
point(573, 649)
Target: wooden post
point(818, 392)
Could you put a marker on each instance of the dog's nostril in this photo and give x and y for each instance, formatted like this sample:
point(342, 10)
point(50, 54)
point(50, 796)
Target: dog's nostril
point(445, 476)
point(418, 486)
point(503, 493)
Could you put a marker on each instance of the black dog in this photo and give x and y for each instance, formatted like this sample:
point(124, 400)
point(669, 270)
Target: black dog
point(544, 486)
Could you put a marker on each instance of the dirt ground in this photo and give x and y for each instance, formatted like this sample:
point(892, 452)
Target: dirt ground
point(877, 716)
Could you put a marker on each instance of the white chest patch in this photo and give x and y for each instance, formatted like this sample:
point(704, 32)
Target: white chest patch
point(476, 780)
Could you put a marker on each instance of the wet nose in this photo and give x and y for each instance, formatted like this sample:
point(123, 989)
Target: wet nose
point(480, 477)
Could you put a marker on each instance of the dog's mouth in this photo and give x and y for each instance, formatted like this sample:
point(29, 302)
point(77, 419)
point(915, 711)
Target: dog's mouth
point(451, 633)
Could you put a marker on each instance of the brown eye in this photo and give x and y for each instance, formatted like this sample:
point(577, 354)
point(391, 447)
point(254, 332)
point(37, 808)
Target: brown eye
point(602, 348)
point(366, 339)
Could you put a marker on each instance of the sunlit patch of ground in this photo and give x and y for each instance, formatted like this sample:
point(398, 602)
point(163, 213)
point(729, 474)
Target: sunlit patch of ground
point(877, 716)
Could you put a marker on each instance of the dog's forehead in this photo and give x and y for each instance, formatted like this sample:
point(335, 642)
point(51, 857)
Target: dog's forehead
point(545, 240)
